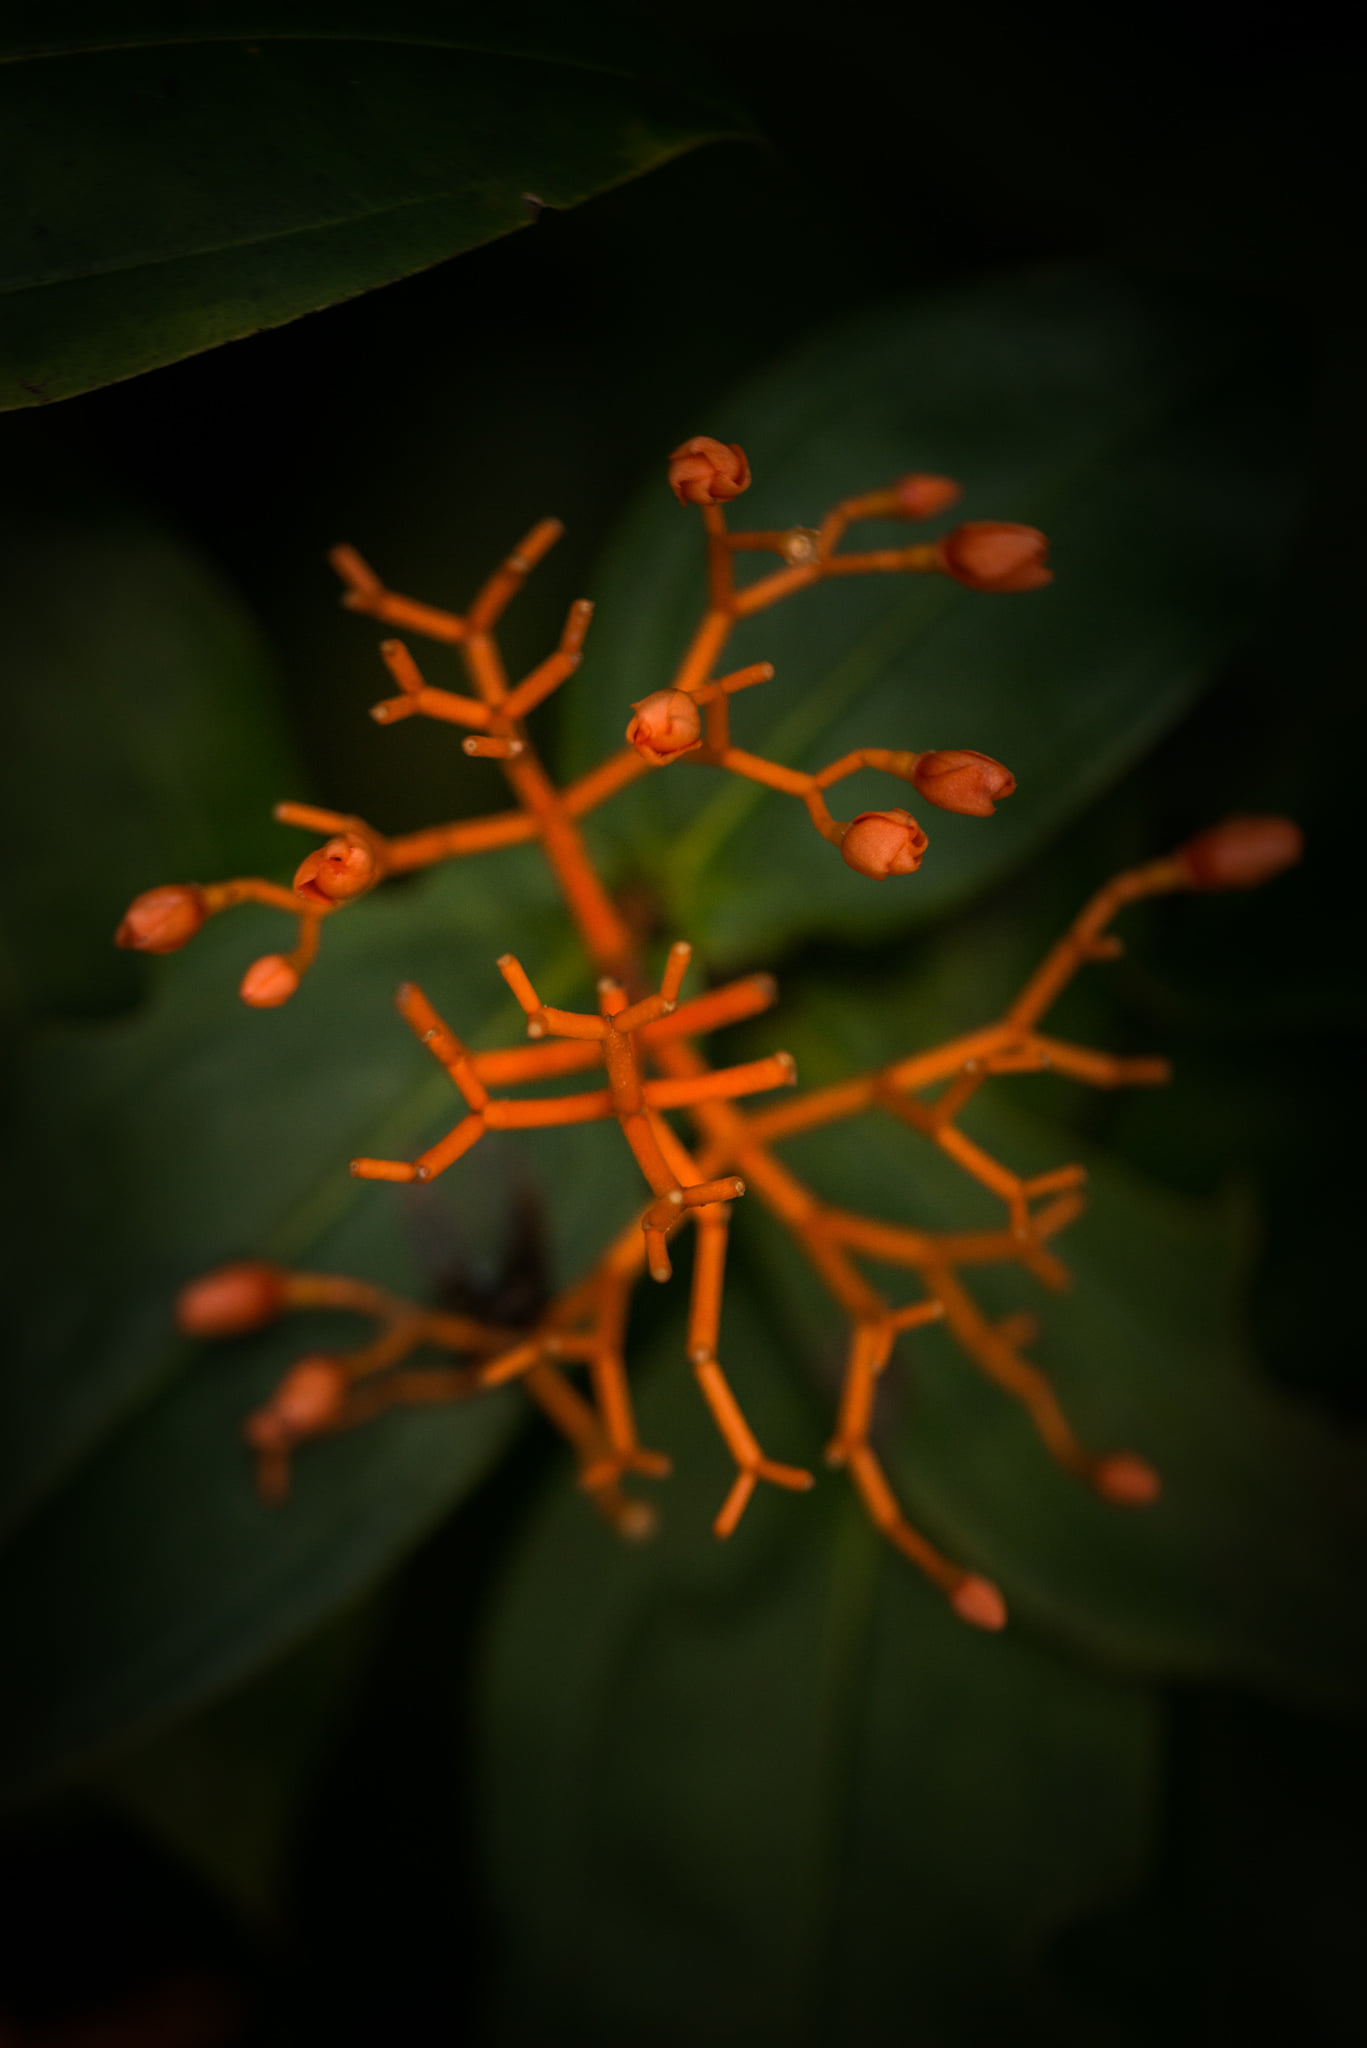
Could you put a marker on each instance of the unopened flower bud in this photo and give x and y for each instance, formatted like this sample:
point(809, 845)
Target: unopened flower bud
point(231, 1300)
point(707, 472)
point(882, 843)
point(987, 556)
point(957, 779)
point(345, 867)
point(979, 1602)
point(268, 982)
point(308, 1398)
point(923, 497)
point(162, 920)
point(1242, 852)
point(1129, 1481)
point(666, 725)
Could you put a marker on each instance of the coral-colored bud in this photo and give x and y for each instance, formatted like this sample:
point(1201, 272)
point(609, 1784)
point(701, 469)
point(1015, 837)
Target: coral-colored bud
point(345, 867)
point(162, 920)
point(988, 556)
point(268, 982)
point(666, 725)
point(231, 1300)
point(1242, 852)
point(308, 1398)
point(1129, 1481)
point(957, 779)
point(707, 472)
point(923, 497)
point(978, 1602)
point(882, 843)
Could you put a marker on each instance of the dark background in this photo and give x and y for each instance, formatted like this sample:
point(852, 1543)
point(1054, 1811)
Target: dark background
point(905, 148)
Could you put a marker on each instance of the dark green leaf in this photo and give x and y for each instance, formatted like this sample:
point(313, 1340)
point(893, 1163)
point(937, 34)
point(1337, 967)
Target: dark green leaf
point(150, 1146)
point(172, 188)
point(200, 1130)
point(158, 1579)
point(195, 1131)
point(226, 1790)
point(771, 1789)
point(1141, 434)
point(142, 741)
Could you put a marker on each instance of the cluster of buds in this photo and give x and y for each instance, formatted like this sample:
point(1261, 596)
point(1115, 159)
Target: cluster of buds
point(687, 718)
point(641, 1048)
point(236, 1301)
point(691, 716)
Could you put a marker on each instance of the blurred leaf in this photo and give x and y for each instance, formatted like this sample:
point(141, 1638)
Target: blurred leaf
point(150, 1146)
point(176, 186)
point(203, 1130)
point(226, 1790)
point(142, 736)
point(199, 1130)
point(770, 1789)
point(157, 1579)
point(1248, 1566)
point(1143, 434)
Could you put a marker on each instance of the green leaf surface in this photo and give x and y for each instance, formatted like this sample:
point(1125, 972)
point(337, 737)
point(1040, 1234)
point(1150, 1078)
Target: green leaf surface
point(770, 1789)
point(204, 1130)
point(199, 1131)
point(142, 739)
point(158, 1579)
point(227, 1790)
point(174, 187)
point(1247, 1567)
point(1141, 433)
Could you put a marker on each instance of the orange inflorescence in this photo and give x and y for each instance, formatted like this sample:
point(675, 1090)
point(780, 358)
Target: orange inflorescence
point(641, 1048)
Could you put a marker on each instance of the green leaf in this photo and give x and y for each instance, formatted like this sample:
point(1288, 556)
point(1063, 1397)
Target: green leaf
point(227, 1790)
point(200, 1130)
point(149, 1146)
point(157, 1580)
point(196, 1131)
point(143, 742)
point(1140, 432)
point(770, 1789)
point(1247, 1566)
point(172, 188)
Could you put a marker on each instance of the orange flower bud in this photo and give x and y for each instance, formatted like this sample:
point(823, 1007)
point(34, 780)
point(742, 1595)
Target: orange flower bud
point(922, 497)
point(1129, 1481)
point(882, 843)
point(666, 725)
point(1242, 852)
point(162, 920)
point(231, 1300)
point(308, 1398)
point(988, 556)
point(345, 867)
point(268, 982)
point(707, 472)
point(979, 1602)
point(957, 779)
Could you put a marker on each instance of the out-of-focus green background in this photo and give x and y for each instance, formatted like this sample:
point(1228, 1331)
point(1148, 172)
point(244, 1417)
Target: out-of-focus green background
point(426, 1757)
